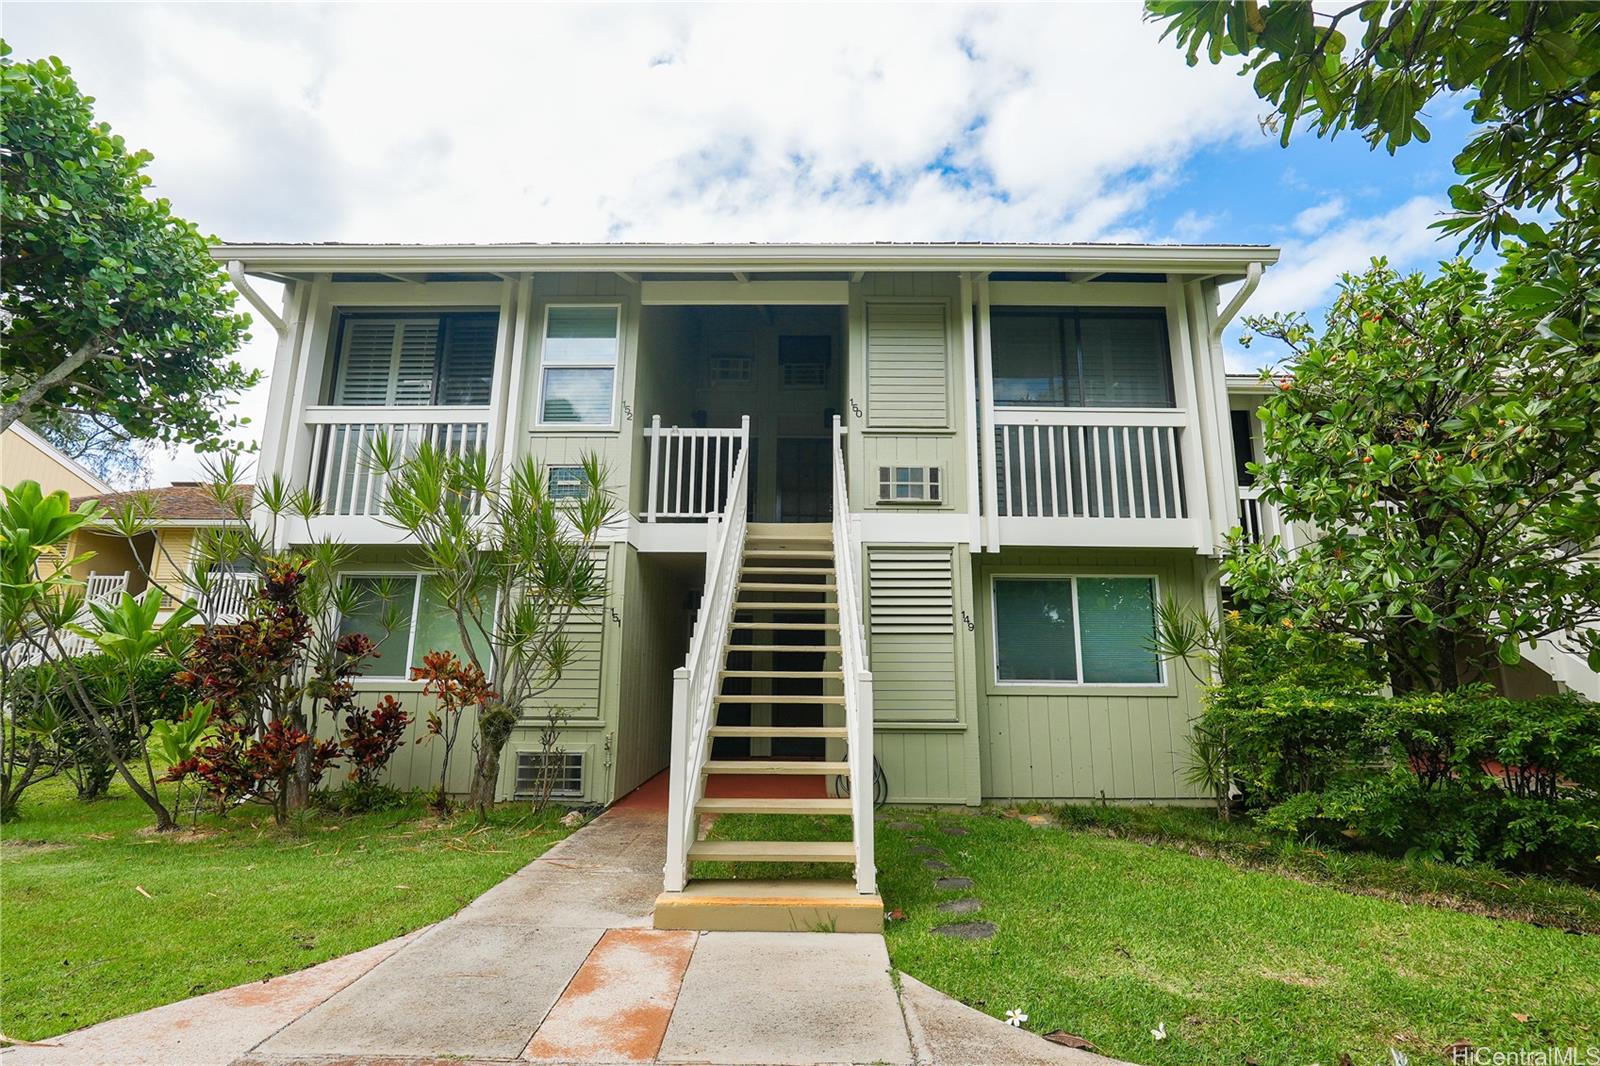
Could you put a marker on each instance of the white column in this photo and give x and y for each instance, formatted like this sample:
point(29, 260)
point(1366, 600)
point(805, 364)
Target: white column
point(518, 361)
point(991, 537)
point(1192, 440)
point(675, 873)
point(971, 441)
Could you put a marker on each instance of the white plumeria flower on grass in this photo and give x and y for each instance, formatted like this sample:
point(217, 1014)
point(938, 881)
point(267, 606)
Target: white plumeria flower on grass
point(1160, 1031)
point(1015, 1018)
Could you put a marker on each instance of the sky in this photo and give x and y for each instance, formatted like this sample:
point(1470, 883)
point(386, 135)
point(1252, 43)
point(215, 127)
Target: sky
point(466, 122)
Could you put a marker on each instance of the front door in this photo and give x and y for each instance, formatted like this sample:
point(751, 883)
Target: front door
point(805, 480)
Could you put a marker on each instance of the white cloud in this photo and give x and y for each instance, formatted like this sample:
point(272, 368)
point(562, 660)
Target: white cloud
point(1316, 218)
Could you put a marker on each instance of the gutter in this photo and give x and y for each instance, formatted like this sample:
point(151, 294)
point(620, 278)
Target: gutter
point(237, 276)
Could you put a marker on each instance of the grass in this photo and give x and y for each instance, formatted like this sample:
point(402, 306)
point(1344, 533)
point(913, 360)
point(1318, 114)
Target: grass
point(1244, 960)
point(240, 900)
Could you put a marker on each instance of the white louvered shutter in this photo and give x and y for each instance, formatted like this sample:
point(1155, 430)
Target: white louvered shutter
point(416, 362)
point(908, 366)
point(911, 603)
point(366, 365)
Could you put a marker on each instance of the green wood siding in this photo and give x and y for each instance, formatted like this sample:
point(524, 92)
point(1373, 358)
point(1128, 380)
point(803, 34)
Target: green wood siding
point(908, 356)
point(1092, 741)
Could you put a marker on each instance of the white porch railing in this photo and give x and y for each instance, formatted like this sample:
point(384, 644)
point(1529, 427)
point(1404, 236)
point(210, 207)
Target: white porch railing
point(1253, 514)
point(691, 471)
point(1086, 463)
point(227, 593)
point(105, 588)
point(857, 677)
point(340, 474)
point(695, 683)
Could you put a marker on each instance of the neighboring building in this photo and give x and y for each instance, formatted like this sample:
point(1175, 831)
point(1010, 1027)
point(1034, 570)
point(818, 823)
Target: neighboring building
point(26, 456)
point(163, 555)
point(1036, 449)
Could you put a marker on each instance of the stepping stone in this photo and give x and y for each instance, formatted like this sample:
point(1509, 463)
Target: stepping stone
point(967, 930)
point(905, 827)
point(952, 830)
point(936, 864)
point(961, 906)
point(925, 849)
point(951, 883)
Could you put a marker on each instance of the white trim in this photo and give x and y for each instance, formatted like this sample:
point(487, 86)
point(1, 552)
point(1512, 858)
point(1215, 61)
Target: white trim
point(1077, 631)
point(729, 293)
point(545, 364)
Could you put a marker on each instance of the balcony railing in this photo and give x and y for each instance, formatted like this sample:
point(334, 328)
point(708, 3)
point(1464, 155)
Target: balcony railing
point(691, 470)
point(1090, 464)
point(341, 474)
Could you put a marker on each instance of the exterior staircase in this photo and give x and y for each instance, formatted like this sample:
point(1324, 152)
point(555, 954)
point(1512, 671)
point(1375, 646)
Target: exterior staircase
point(785, 709)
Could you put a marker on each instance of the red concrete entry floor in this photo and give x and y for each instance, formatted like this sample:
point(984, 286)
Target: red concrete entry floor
point(652, 795)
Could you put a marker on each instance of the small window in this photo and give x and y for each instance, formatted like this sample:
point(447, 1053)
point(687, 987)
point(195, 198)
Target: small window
point(804, 359)
point(565, 768)
point(568, 483)
point(1075, 630)
point(908, 484)
point(731, 371)
point(578, 381)
point(804, 375)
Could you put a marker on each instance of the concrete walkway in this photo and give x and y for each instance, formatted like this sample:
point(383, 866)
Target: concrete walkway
point(558, 964)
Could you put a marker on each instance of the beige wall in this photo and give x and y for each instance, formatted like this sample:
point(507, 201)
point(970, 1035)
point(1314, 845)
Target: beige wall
point(23, 459)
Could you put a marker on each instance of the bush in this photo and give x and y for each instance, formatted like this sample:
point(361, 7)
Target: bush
point(83, 757)
point(361, 797)
point(1465, 776)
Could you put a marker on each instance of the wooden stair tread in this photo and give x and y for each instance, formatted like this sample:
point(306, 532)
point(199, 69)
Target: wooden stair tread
point(781, 625)
point(772, 805)
point(785, 586)
point(784, 649)
point(762, 697)
point(783, 605)
point(778, 553)
point(772, 851)
point(802, 731)
point(785, 673)
point(776, 766)
point(799, 571)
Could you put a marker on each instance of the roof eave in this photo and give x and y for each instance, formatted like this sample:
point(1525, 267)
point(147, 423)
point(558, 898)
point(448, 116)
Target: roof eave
point(1203, 260)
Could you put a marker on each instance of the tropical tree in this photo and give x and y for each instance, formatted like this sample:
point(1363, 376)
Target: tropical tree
point(1443, 445)
point(512, 565)
point(111, 307)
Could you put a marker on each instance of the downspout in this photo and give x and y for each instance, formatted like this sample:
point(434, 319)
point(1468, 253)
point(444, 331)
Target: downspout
point(237, 276)
point(1252, 279)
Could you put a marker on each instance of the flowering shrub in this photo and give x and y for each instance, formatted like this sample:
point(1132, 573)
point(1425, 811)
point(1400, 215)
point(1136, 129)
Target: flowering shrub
point(371, 737)
point(456, 686)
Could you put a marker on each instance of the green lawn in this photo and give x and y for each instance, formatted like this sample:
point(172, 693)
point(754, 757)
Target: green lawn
point(238, 901)
point(1109, 937)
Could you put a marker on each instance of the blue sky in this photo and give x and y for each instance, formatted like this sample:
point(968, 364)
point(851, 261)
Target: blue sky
point(754, 122)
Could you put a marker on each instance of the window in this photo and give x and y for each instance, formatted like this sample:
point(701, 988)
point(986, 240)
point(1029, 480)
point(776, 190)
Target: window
point(407, 618)
point(579, 375)
point(565, 769)
point(415, 360)
point(908, 484)
point(1075, 630)
point(1070, 357)
point(568, 483)
point(731, 371)
point(804, 360)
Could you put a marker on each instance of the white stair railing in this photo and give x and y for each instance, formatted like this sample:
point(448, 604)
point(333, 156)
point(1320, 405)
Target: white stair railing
point(857, 678)
point(690, 473)
point(695, 683)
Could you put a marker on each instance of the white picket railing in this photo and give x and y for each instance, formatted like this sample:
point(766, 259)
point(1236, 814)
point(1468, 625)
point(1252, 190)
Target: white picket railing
point(690, 471)
point(340, 474)
point(1086, 463)
point(227, 594)
point(695, 684)
point(857, 677)
point(1254, 515)
point(105, 588)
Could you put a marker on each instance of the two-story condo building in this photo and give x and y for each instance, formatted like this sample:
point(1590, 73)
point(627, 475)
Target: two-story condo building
point(903, 504)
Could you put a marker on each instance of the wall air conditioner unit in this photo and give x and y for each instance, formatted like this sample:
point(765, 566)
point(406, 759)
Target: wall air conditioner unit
point(909, 484)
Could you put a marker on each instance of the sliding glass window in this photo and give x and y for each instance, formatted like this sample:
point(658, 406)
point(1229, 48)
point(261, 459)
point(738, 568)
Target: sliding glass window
point(1078, 357)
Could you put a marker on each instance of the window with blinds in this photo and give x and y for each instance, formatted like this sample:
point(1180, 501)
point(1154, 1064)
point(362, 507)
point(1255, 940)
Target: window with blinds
point(1077, 357)
point(1075, 630)
point(415, 360)
point(579, 375)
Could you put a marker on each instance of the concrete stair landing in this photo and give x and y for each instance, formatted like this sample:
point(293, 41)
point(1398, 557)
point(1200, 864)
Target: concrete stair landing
point(770, 907)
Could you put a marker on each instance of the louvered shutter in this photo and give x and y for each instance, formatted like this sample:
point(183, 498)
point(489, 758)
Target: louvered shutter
point(907, 366)
point(911, 604)
point(416, 362)
point(467, 364)
point(367, 363)
point(578, 690)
